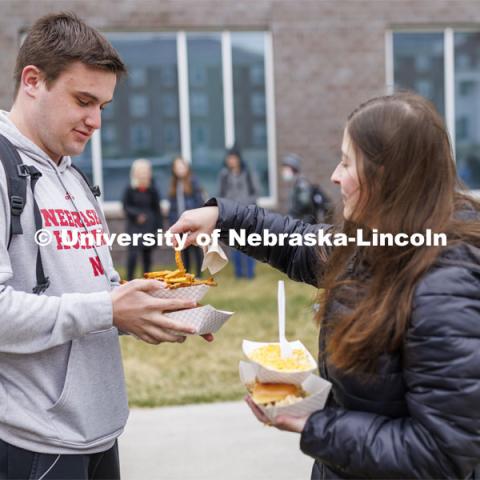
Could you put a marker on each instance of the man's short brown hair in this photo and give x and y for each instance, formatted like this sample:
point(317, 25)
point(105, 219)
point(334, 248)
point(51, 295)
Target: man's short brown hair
point(57, 40)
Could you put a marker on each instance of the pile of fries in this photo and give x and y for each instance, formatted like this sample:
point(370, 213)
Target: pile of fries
point(178, 278)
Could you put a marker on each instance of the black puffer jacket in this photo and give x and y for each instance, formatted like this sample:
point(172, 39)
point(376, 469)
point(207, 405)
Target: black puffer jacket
point(420, 418)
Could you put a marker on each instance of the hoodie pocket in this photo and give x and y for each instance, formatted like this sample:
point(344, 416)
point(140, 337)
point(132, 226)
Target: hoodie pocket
point(93, 403)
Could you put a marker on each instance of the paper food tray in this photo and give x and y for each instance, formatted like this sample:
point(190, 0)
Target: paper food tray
point(316, 387)
point(205, 319)
point(269, 375)
point(194, 293)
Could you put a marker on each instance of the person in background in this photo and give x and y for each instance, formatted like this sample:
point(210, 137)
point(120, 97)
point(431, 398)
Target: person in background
point(307, 201)
point(141, 205)
point(185, 194)
point(237, 182)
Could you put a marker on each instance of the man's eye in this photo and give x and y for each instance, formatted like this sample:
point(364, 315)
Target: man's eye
point(82, 103)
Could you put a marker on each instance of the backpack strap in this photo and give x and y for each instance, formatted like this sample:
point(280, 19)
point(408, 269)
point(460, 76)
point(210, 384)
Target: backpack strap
point(16, 173)
point(43, 282)
point(95, 189)
point(16, 184)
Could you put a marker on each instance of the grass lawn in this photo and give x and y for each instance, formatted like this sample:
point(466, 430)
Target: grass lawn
point(196, 371)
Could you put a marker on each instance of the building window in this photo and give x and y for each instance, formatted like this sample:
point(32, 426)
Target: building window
point(198, 104)
point(170, 105)
point(137, 77)
point(138, 105)
point(207, 121)
point(418, 65)
point(258, 104)
point(146, 119)
point(249, 92)
point(467, 106)
point(140, 139)
point(160, 112)
point(421, 62)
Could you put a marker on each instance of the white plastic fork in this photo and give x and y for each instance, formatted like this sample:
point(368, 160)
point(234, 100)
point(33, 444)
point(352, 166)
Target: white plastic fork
point(285, 348)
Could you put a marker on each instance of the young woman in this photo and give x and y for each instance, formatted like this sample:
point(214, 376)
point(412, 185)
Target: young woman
point(141, 207)
point(400, 326)
point(236, 182)
point(185, 194)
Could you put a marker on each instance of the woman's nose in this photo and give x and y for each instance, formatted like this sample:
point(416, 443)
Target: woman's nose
point(335, 178)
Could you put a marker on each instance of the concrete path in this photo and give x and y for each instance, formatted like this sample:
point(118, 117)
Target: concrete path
point(219, 441)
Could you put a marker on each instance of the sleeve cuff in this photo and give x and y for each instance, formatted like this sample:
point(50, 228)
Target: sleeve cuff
point(96, 311)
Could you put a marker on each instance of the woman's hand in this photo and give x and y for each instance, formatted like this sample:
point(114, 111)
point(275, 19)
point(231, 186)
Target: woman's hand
point(282, 422)
point(194, 222)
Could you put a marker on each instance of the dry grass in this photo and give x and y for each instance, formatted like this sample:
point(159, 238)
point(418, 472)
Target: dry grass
point(197, 371)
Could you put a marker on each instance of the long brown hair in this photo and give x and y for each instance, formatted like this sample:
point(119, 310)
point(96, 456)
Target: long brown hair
point(408, 184)
point(187, 180)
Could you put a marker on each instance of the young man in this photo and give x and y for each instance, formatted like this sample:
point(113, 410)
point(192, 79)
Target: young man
point(62, 394)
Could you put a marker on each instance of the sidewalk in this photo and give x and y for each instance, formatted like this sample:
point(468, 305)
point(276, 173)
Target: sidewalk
point(216, 441)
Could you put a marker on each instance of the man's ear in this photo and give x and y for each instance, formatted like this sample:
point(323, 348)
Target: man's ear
point(32, 80)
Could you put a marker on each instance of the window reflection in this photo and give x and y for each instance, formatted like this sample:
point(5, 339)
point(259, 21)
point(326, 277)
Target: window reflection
point(418, 65)
point(205, 81)
point(467, 107)
point(144, 119)
point(248, 58)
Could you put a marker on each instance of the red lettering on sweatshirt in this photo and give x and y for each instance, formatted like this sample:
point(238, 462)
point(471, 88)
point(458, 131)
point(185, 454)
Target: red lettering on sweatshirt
point(68, 214)
point(76, 219)
point(62, 219)
point(97, 266)
point(93, 217)
point(49, 218)
point(85, 219)
point(58, 238)
point(59, 217)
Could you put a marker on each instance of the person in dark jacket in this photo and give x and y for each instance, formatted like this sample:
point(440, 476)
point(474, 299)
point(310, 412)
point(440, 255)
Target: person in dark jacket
point(142, 209)
point(306, 201)
point(400, 325)
point(185, 194)
point(238, 183)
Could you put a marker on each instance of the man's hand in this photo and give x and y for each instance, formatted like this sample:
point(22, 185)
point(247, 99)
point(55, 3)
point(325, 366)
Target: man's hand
point(282, 422)
point(138, 313)
point(199, 220)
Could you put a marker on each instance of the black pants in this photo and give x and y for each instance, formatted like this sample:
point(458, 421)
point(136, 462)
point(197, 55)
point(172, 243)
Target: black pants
point(133, 253)
point(19, 464)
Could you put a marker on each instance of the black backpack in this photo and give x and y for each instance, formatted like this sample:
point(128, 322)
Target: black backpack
point(320, 201)
point(17, 174)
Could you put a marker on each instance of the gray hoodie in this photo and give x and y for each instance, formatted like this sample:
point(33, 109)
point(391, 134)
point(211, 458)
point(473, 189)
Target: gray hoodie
point(62, 386)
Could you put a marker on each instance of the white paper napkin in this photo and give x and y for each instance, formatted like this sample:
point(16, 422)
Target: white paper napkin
point(214, 258)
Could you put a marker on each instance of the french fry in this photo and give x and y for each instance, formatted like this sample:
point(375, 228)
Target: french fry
point(173, 274)
point(180, 277)
point(179, 261)
point(156, 274)
point(179, 280)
